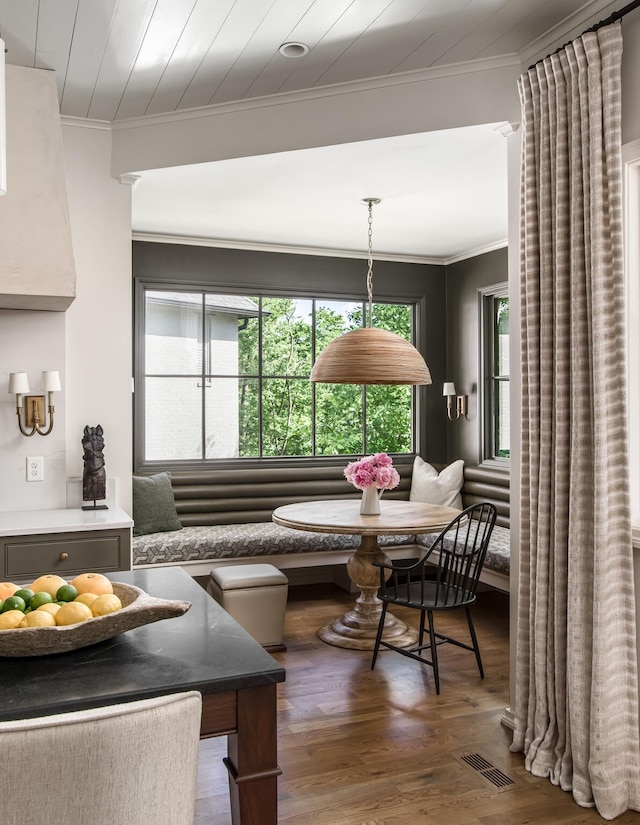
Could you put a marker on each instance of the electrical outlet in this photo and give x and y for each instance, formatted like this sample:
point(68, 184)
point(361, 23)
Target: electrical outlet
point(35, 468)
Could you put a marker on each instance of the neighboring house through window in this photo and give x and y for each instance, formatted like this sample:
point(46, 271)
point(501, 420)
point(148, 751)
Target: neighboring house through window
point(221, 376)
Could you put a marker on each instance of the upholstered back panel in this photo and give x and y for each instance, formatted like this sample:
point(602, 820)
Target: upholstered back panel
point(242, 496)
point(481, 484)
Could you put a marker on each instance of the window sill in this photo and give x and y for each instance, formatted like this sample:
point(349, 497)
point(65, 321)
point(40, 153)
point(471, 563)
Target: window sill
point(501, 465)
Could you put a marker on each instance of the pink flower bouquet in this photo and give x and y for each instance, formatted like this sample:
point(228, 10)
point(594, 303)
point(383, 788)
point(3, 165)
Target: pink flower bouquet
point(372, 469)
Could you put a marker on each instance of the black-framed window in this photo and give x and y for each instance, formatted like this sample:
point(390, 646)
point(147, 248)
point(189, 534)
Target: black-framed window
point(226, 377)
point(495, 373)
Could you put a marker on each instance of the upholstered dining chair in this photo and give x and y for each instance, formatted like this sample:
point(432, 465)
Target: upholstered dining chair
point(127, 764)
point(444, 579)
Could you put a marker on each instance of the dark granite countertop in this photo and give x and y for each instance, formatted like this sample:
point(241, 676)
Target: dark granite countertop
point(205, 650)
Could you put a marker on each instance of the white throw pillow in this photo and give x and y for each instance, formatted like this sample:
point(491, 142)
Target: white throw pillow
point(431, 487)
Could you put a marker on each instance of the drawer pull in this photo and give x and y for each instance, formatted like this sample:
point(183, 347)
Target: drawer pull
point(64, 556)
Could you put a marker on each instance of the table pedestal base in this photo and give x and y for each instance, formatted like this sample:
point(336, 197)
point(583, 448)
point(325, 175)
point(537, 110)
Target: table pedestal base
point(339, 634)
point(357, 629)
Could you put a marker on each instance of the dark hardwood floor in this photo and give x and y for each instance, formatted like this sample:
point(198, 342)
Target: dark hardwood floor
point(382, 748)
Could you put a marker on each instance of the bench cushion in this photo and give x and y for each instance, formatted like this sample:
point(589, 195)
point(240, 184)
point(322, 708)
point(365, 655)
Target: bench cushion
point(237, 541)
point(497, 558)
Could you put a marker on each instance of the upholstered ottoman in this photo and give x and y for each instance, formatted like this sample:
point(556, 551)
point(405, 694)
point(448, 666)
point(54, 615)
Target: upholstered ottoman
point(256, 596)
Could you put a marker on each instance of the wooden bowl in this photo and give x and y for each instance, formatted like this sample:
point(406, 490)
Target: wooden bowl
point(138, 608)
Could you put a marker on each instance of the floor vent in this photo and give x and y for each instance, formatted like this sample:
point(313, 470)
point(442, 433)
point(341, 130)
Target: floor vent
point(498, 778)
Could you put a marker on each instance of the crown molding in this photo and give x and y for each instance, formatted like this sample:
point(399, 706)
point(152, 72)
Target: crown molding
point(319, 92)
point(473, 253)
point(85, 123)
point(287, 250)
point(322, 252)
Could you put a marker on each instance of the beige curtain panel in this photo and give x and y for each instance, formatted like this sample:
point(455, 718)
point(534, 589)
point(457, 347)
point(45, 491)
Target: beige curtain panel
point(576, 705)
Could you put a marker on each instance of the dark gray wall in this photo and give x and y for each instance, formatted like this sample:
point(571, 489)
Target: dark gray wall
point(307, 274)
point(464, 280)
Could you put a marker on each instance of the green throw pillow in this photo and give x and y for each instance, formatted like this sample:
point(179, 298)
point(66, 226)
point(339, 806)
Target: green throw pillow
point(154, 508)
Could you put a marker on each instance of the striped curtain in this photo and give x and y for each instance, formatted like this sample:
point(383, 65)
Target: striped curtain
point(576, 705)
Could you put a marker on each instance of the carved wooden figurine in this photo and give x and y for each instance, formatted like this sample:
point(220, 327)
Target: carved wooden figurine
point(94, 477)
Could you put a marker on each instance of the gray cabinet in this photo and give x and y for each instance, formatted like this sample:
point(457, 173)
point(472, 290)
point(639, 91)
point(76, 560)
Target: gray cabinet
point(65, 553)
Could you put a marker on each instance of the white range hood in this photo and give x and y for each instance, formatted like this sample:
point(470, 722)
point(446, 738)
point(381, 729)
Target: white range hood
point(37, 269)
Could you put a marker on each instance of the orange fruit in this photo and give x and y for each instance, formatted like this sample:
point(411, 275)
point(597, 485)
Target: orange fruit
point(107, 603)
point(92, 583)
point(49, 583)
point(7, 589)
point(73, 613)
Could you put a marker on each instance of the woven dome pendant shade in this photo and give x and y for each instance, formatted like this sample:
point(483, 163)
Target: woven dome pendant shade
point(370, 356)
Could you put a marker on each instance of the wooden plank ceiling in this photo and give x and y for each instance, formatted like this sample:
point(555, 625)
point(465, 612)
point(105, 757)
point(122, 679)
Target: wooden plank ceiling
point(119, 59)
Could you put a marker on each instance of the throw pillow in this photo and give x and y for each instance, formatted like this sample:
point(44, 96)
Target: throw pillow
point(154, 508)
point(431, 487)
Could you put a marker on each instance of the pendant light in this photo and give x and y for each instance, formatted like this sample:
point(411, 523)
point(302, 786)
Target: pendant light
point(368, 355)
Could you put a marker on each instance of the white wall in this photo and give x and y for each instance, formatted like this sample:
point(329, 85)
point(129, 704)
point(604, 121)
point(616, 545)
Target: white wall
point(99, 320)
point(31, 342)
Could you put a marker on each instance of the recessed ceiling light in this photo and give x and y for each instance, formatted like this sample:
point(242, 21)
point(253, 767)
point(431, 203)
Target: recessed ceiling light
point(294, 49)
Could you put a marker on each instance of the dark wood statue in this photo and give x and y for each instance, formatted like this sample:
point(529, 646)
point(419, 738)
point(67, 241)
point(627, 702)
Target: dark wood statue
point(94, 477)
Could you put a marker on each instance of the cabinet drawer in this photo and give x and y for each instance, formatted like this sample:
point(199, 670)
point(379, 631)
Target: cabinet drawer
point(30, 556)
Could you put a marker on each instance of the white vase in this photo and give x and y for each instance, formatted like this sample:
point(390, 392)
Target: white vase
point(370, 501)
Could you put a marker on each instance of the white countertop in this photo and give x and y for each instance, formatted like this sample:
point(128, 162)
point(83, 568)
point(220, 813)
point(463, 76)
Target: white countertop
point(34, 522)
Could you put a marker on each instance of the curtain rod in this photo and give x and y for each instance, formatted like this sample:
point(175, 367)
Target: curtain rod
point(617, 15)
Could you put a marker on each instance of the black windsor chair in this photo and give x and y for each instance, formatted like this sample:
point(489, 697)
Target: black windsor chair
point(445, 578)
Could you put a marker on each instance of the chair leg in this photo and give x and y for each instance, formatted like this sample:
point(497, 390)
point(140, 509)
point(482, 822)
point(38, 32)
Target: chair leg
point(421, 635)
point(376, 647)
point(434, 652)
point(474, 641)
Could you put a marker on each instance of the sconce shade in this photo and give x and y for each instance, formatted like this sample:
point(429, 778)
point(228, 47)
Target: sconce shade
point(370, 356)
point(449, 388)
point(18, 383)
point(51, 381)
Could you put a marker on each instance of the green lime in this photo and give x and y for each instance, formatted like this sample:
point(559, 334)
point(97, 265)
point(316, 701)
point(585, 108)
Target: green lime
point(40, 598)
point(13, 603)
point(25, 594)
point(66, 593)
point(0, 605)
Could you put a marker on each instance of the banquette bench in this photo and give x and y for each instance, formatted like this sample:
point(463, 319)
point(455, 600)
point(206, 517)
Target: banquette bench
point(226, 518)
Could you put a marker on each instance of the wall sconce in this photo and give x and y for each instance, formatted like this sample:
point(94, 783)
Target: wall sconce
point(449, 390)
point(34, 414)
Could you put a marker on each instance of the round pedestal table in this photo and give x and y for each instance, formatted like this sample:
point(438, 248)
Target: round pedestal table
point(357, 628)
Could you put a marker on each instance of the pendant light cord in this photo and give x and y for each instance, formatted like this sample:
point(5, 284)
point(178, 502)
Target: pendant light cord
point(370, 263)
point(369, 202)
